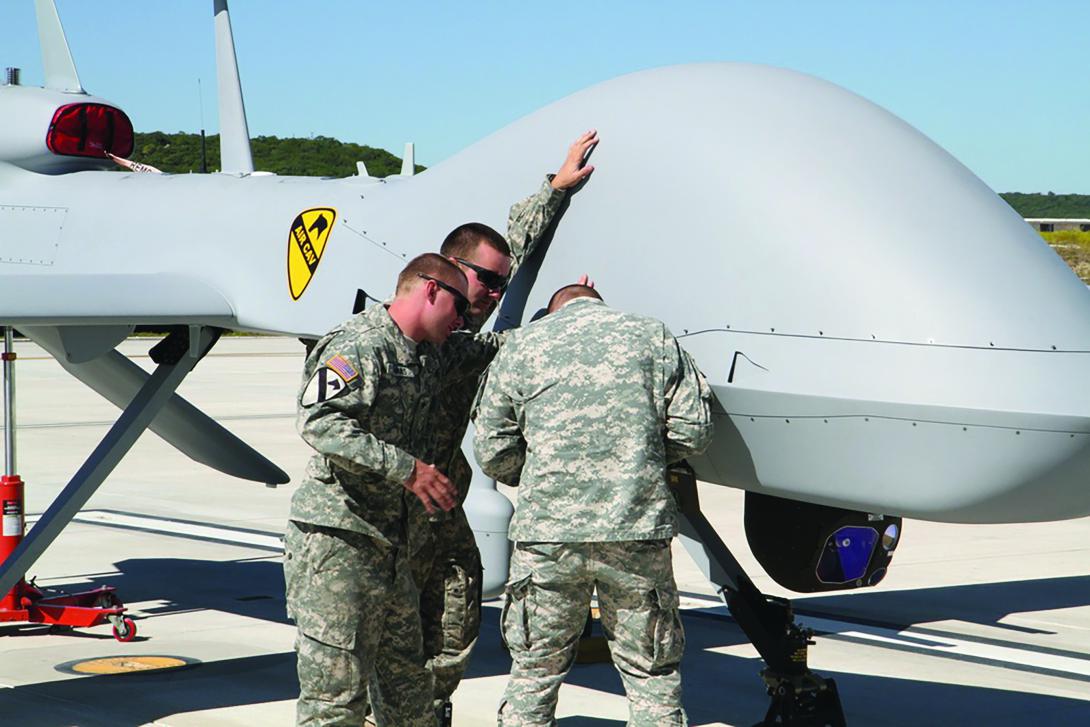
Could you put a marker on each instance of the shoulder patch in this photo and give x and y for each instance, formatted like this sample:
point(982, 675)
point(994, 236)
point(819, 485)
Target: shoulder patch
point(340, 365)
point(325, 384)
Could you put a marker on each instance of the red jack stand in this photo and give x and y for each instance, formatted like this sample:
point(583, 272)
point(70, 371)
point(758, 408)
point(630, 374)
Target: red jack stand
point(25, 602)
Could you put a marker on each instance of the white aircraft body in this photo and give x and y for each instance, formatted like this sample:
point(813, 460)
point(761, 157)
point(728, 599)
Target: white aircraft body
point(884, 335)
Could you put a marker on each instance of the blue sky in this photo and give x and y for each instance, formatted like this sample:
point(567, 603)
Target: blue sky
point(1001, 84)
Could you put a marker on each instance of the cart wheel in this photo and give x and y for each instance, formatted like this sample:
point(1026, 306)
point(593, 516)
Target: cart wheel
point(127, 631)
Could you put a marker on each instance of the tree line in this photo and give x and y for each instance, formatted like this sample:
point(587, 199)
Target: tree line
point(1037, 204)
point(320, 156)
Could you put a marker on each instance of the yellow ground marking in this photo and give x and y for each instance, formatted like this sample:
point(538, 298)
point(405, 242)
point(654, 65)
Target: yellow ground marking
point(127, 664)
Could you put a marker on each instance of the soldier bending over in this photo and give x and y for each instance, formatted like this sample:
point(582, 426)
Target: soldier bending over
point(583, 410)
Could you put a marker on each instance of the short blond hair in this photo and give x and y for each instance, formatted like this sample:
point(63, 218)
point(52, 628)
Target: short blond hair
point(433, 265)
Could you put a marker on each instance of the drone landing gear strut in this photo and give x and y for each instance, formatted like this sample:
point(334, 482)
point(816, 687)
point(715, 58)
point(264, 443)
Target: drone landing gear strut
point(800, 698)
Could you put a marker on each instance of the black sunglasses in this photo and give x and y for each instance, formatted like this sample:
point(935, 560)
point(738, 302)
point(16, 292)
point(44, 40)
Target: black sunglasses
point(461, 303)
point(489, 278)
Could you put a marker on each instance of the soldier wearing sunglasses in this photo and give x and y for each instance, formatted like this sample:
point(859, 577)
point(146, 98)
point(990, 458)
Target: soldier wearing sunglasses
point(368, 391)
point(447, 564)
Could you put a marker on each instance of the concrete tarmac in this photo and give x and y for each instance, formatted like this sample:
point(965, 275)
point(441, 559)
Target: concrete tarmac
point(974, 624)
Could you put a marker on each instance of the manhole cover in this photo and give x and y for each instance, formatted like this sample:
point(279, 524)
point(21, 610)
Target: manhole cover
point(125, 664)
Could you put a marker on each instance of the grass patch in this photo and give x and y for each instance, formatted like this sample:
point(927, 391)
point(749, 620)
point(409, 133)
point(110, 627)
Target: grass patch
point(1074, 247)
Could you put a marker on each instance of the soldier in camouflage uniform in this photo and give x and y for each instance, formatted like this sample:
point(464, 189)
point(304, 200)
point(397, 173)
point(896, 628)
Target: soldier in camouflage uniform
point(447, 565)
point(583, 410)
point(366, 406)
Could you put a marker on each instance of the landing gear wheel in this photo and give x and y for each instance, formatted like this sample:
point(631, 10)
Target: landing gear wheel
point(125, 629)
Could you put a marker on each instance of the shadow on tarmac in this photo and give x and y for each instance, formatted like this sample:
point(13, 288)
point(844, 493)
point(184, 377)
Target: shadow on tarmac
point(984, 603)
point(253, 588)
point(722, 688)
point(718, 687)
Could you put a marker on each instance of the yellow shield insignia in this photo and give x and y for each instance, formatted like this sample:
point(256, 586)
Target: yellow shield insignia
point(306, 243)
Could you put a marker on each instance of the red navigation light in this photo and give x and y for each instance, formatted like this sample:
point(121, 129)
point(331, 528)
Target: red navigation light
point(90, 130)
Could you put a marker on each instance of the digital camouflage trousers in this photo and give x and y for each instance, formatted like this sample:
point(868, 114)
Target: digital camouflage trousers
point(447, 569)
point(357, 612)
point(548, 597)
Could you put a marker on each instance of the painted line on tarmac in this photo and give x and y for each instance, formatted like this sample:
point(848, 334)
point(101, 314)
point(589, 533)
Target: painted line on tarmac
point(189, 529)
point(930, 642)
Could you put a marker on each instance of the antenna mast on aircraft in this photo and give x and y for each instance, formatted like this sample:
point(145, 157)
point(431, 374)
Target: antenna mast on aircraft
point(235, 155)
point(204, 144)
point(408, 162)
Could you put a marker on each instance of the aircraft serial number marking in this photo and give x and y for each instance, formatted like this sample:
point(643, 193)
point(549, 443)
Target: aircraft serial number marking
point(306, 242)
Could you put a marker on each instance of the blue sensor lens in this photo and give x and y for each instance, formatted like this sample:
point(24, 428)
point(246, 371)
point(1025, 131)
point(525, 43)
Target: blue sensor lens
point(846, 555)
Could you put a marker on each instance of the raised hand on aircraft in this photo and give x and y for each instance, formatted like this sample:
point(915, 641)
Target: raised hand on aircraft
point(575, 169)
point(431, 486)
point(584, 279)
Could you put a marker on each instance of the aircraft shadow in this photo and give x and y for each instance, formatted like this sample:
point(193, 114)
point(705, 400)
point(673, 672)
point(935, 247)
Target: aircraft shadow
point(984, 603)
point(255, 588)
point(724, 688)
point(252, 587)
point(718, 687)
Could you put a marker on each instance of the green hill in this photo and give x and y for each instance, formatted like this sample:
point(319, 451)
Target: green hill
point(318, 157)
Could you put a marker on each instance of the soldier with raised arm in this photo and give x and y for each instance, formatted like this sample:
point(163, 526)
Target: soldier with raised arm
point(446, 562)
point(583, 410)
